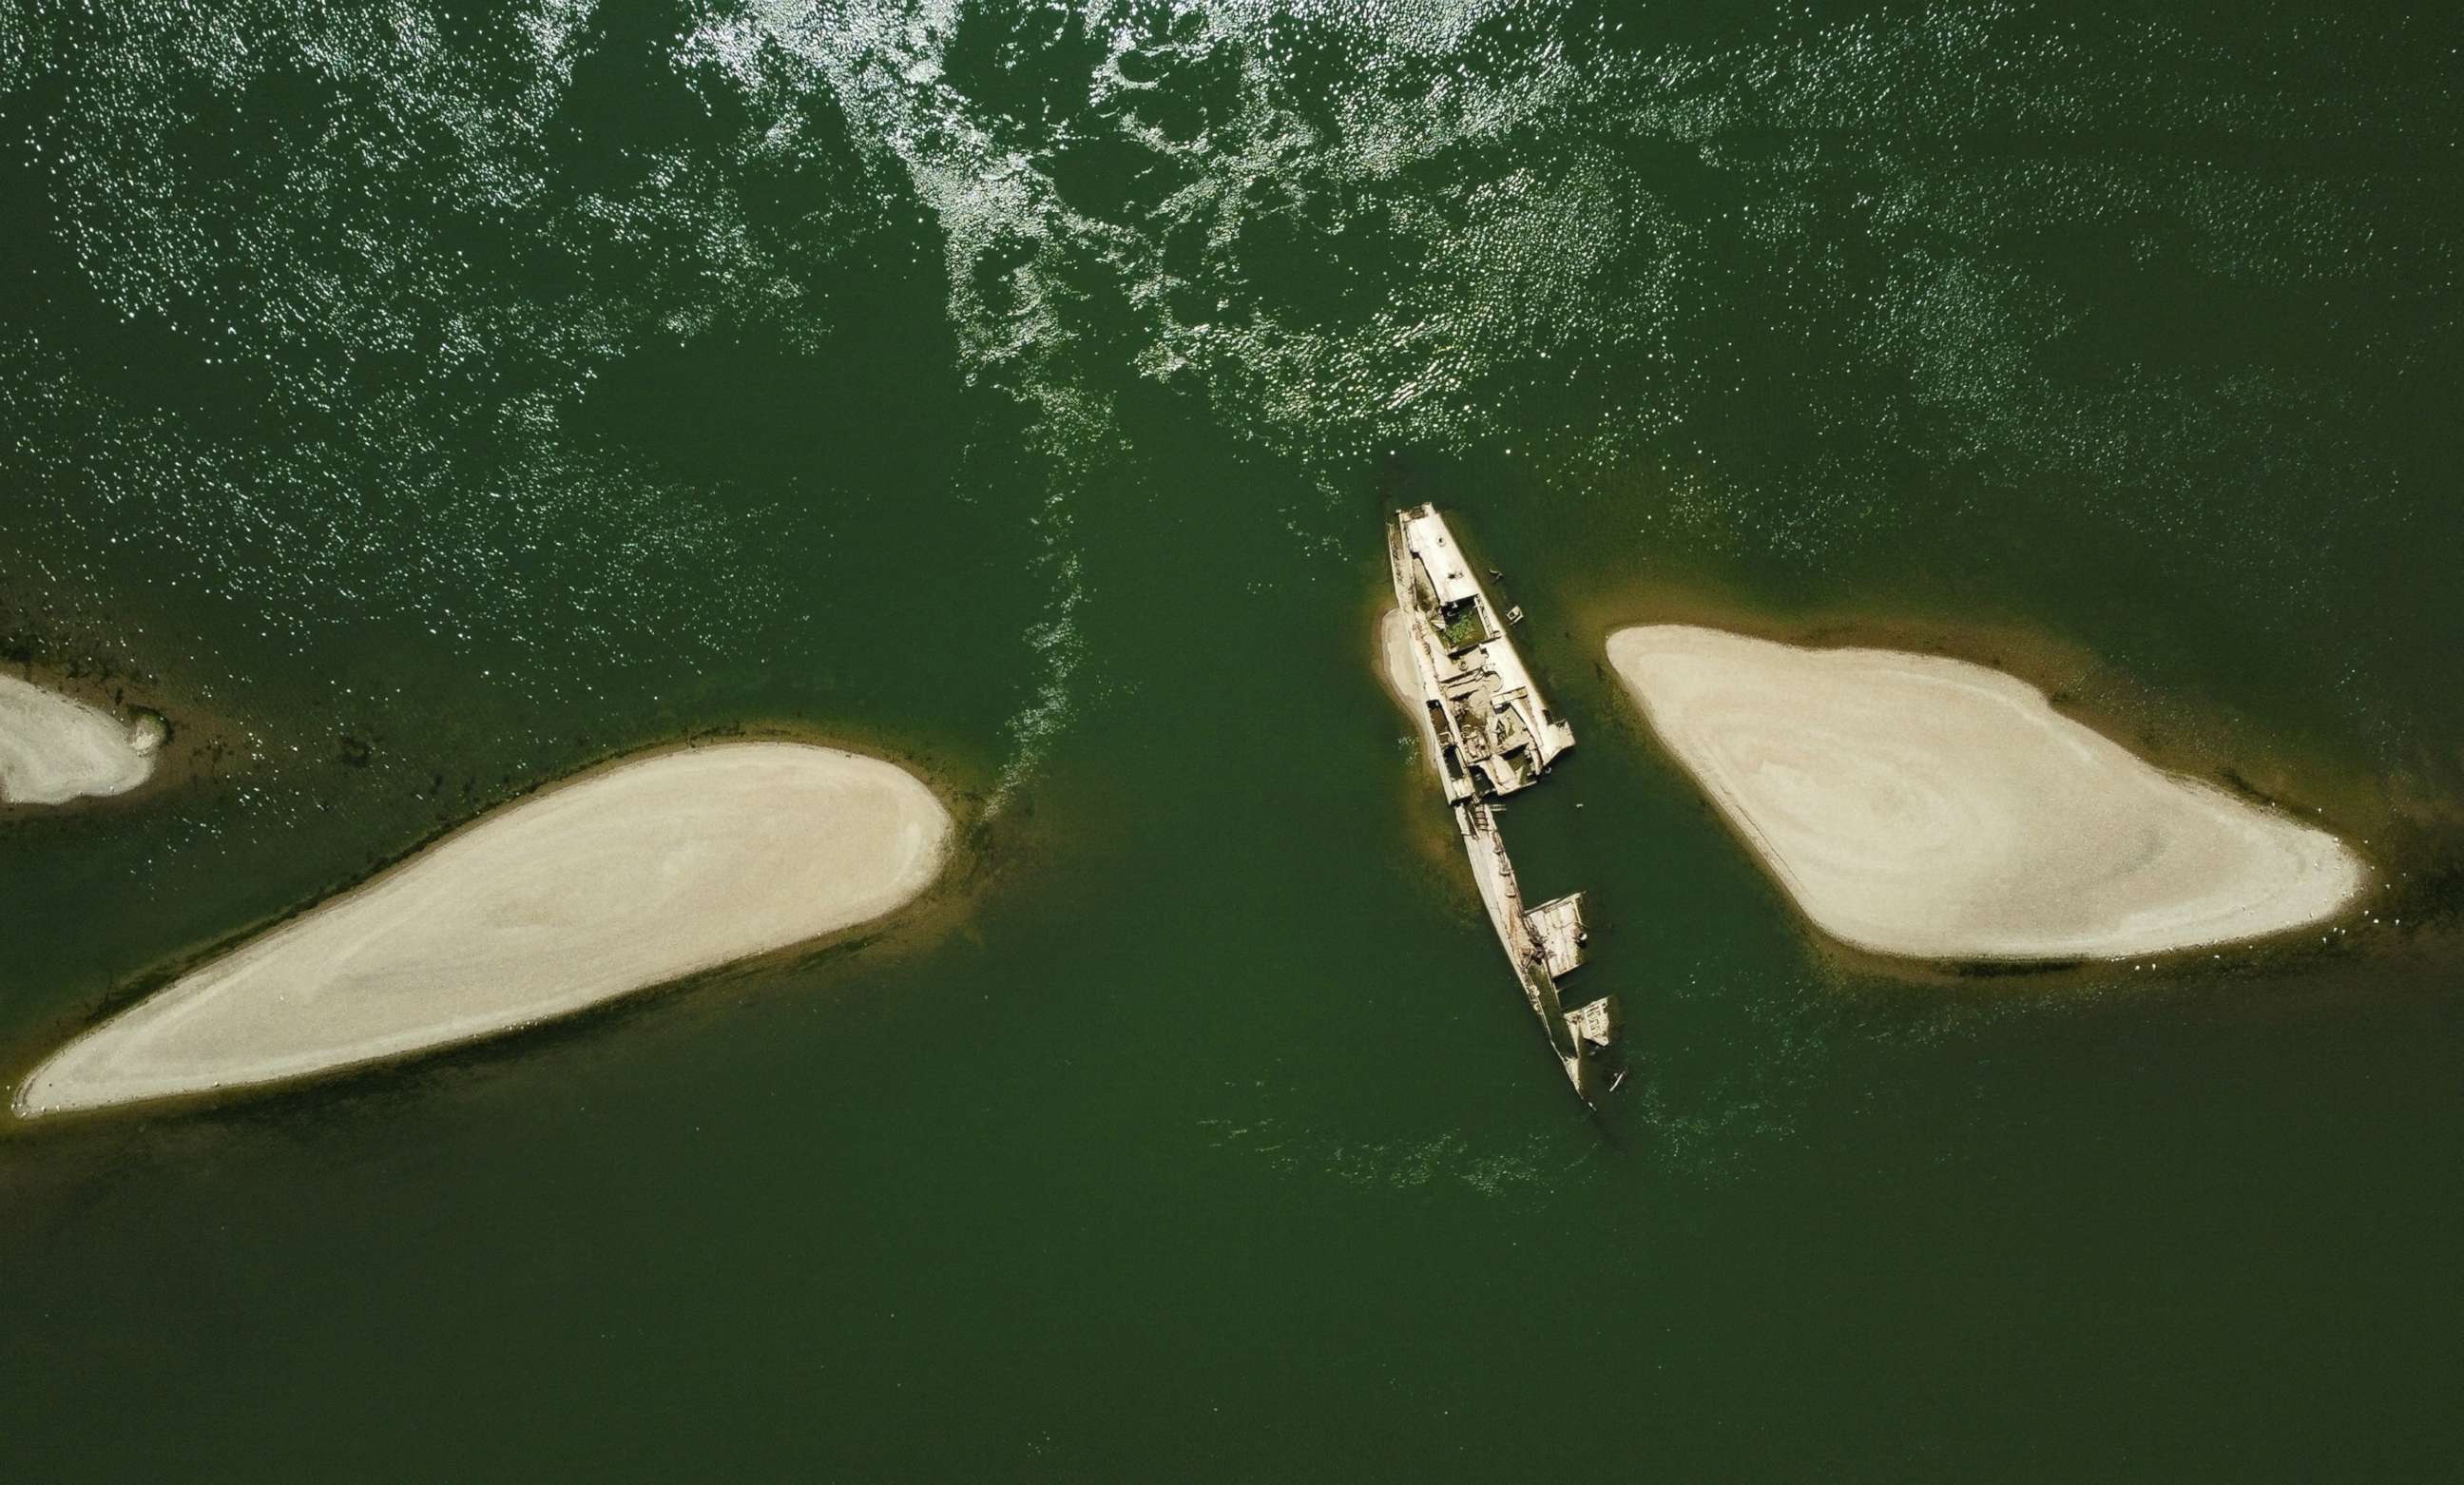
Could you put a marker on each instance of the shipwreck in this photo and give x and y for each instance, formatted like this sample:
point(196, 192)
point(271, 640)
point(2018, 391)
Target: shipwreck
point(1494, 735)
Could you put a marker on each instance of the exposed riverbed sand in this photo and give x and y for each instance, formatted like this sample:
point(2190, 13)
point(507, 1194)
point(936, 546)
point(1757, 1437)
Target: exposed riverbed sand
point(53, 749)
point(1925, 807)
point(1402, 679)
point(635, 876)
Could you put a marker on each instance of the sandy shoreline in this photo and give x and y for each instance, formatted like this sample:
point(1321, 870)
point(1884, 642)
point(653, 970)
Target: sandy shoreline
point(634, 876)
point(1929, 808)
point(53, 749)
point(1402, 678)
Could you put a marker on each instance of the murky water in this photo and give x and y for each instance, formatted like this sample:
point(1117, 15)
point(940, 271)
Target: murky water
point(425, 400)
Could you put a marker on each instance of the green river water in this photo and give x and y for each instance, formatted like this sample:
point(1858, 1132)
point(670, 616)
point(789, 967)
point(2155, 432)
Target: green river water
point(420, 401)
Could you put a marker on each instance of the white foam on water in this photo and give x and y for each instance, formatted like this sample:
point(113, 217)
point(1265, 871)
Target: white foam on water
point(884, 63)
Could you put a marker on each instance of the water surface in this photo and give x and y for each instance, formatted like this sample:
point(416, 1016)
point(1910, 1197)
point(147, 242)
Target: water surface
point(438, 398)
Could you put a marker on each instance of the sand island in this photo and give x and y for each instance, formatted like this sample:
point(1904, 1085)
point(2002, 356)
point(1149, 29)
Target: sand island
point(53, 749)
point(1929, 808)
point(630, 877)
point(1402, 684)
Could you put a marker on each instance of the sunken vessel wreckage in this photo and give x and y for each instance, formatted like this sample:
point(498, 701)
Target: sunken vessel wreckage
point(1495, 735)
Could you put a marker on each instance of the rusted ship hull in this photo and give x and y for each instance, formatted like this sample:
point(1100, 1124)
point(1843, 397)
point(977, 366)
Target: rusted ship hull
point(1494, 735)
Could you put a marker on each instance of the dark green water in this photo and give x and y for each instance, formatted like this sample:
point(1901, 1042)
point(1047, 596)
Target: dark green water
point(436, 398)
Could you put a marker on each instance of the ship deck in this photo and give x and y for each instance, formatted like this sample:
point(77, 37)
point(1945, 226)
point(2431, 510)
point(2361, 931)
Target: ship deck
point(1495, 736)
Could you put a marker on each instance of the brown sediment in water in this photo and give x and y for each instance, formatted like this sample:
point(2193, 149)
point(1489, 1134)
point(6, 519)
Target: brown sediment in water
point(658, 869)
point(55, 749)
point(182, 739)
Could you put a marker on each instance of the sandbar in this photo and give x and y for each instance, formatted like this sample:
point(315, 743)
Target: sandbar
point(1402, 678)
point(633, 876)
point(53, 749)
point(1917, 805)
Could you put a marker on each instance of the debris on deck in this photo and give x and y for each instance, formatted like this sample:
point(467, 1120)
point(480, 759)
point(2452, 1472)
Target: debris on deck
point(1558, 925)
point(1495, 736)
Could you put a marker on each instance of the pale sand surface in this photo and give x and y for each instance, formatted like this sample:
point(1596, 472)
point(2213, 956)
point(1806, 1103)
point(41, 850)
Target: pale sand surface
point(641, 875)
point(53, 749)
point(1402, 680)
point(1930, 807)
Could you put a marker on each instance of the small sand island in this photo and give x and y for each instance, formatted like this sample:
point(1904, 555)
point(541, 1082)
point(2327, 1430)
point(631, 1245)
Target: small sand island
point(53, 749)
point(1402, 682)
point(1933, 808)
point(634, 876)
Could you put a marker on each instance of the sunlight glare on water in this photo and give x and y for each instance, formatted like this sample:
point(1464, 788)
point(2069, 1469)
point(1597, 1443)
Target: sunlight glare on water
point(419, 402)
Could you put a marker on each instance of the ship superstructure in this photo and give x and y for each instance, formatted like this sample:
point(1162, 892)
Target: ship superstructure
point(1494, 735)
